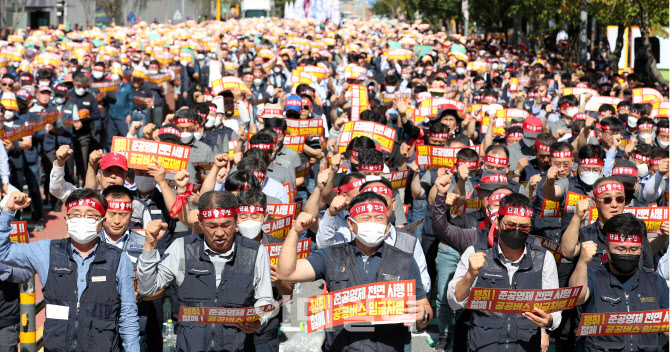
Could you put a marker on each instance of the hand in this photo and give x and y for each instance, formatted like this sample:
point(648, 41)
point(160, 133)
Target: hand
point(157, 171)
point(443, 183)
point(237, 156)
point(273, 275)
point(322, 179)
point(221, 160)
point(582, 210)
point(168, 119)
point(630, 147)
point(303, 222)
point(560, 133)
point(476, 261)
point(339, 122)
point(405, 150)
point(155, 231)
point(418, 310)
point(549, 108)
point(401, 105)
point(336, 162)
point(77, 125)
point(194, 198)
point(588, 251)
point(249, 327)
point(10, 146)
point(544, 341)
point(532, 183)
point(221, 176)
point(451, 199)
point(664, 166)
point(148, 130)
point(521, 165)
point(665, 228)
point(415, 167)
point(63, 153)
point(552, 174)
point(237, 94)
point(134, 127)
point(590, 123)
point(242, 133)
point(337, 205)
point(616, 142)
point(181, 178)
point(193, 216)
point(95, 157)
point(17, 201)
point(539, 318)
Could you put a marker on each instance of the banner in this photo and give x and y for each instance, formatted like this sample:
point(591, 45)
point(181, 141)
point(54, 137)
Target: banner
point(148, 102)
point(471, 205)
point(160, 78)
point(629, 323)
point(577, 91)
point(229, 83)
point(32, 127)
point(231, 148)
point(296, 143)
point(550, 209)
point(106, 87)
point(380, 303)
point(653, 217)
point(388, 98)
point(310, 127)
point(499, 127)
point(359, 101)
point(228, 316)
point(398, 179)
point(19, 232)
point(429, 157)
point(552, 247)
point(428, 108)
point(385, 135)
point(571, 200)
point(304, 247)
point(510, 114)
point(140, 152)
point(302, 170)
point(522, 301)
point(646, 96)
point(281, 210)
point(594, 103)
point(659, 110)
point(278, 228)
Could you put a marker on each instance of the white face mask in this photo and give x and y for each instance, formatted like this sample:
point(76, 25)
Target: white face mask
point(277, 69)
point(258, 81)
point(80, 91)
point(9, 115)
point(217, 122)
point(250, 228)
point(59, 100)
point(390, 89)
point(590, 177)
point(153, 72)
point(184, 62)
point(83, 230)
point(572, 111)
point(200, 57)
point(97, 74)
point(369, 178)
point(210, 122)
point(198, 135)
point(145, 183)
point(642, 170)
point(632, 122)
point(186, 137)
point(662, 144)
point(115, 77)
point(460, 71)
point(646, 135)
point(370, 234)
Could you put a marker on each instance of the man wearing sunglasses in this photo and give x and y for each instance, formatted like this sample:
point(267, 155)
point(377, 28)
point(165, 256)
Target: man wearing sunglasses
point(6, 83)
point(514, 260)
point(610, 199)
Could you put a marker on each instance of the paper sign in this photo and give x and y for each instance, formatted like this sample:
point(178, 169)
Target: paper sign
point(380, 303)
point(146, 101)
point(521, 301)
point(595, 102)
point(385, 135)
point(281, 210)
point(498, 127)
point(388, 98)
point(278, 228)
point(629, 323)
point(228, 315)
point(30, 128)
point(359, 101)
point(398, 179)
point(413, 226)
point(304, 247)
point(571, 200)
point(552, 247)
point(646, 96)
point(653, 217)
point(659, 110)
point(302, 170)
point(231, 148)
point(428, 108)
point(550, 209)
point(160, 78)
point(430, 157)
point(578, 91)
point(229, 83)
point(140, 152)
point(309, 127)
point(471, 205)
point(513, 84)
point(510, 114)
point(19, 232)
point(106, 87)
point(296, 143)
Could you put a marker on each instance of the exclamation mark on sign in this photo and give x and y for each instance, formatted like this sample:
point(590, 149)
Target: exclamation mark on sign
point(489, 304)
point(600, 328)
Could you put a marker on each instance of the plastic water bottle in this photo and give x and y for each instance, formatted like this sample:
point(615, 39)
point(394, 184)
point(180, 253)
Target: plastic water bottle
point(169, 337)
point(167, 310)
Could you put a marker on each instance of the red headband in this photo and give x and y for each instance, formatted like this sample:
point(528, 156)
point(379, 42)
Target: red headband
point(497, 197)
point(354, 153)
point(260, 175)
point(606, 127)
point(531, 128)
point(516, 211)
point(645, 125)
point(565, 106)
point(262, 146)
point(179, 120)
point(655, 162)
point(279, 131)
point(87, 202)
point(609, 186)
point(171, 130)
point(250, 209)
point(663, 129)
point(561, 154)
point(219, 213)
point(438, 135)
point(371, 167)
point(625, 171)
point(368, 208)
point(541, 146)
point(385, 191)
point(212, 109)
point(495, 178)
point(514, 135)
point(119, 205)
point(350, 186)
point(640, 157)
point(470, 164)
point(271, 111)
point(618, 237)
point(591, 161)
point(306, 102)
point(496, 160)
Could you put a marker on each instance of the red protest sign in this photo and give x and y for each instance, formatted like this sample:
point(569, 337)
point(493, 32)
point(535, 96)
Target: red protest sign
point(653, 217)
point(430, 157)
point(380, 302)
point(160, 78)
point(302, 251)
point(227, 315)
point(552, 247)
point(522, 301)
point(471, 205)
point(398, 179)
point(629, 323)
point(281, 210)
point(571, 200)
point(550, 209)
point(140, 152)
point(385, 135)
point(106, 87)
point(19, 232)
point(510, 114)
point(278, 228)
point(359, 101)
point(204, 165)
point(302, 170)
point(310, 127)
point(146, 101)
point(32, 127)
point(296, 143)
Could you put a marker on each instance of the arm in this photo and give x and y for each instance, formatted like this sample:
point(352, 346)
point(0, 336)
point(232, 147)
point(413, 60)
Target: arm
point(652, 189)
point(610, 155)
point(154, 275)
point(570, 246)
point(129, 322)
point(454, 236)
point(550, 190)
point(461, 282)
point(329, 225)
point(417, 190)
point(580, 275)
point(93, 162)
point(289, 268)
point(4, 166)
point(26, 143)
point(13, 274)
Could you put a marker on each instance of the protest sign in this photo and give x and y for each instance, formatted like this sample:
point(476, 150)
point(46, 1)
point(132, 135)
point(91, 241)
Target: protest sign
point(646, 96)
point(296, 143)
point(430, 157)
point(571, 200)
point(140, 152)
point(228, 315)
point(278, 228)
point(309, 127)
point(19, 232)
point(106, 86)
point(281, 210)
point(552, 247)
point(359, 101)
point(398, 179)
point(629, 323)
point(521, 301)
point(385, 135)
point(302, 250)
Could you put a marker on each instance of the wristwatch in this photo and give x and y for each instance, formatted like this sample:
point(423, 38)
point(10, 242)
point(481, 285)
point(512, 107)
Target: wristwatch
point(426, 315)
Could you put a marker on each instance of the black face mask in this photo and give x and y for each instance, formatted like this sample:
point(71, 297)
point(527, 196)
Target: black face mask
point(630, 194)
point(23, 107)
point(625, 263)
point(486, 173)
point(514, 239)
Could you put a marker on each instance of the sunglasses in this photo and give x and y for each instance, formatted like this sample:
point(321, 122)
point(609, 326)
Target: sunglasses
point(5, 84)
point(608, 200)
point(305, 107)
point(525, 228)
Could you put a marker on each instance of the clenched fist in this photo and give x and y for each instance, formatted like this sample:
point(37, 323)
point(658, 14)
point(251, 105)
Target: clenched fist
point(583, 206)
point(337, 205)
point(303, 222)
point(476, 261)
point(588, 251)
point(17, 201)
point(63, 153)
point(443, 184)
point(95, 157)
point(552, 174)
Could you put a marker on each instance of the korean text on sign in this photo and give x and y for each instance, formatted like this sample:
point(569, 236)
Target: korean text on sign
point(19, 232)
point(281, 210)
point(521, 301)
point(302, 251)
point(278, 228)
point(140, 152)
point(227, 315)
point(310, 127)
point(429, 157)
point(645, 322)
point(385, 135)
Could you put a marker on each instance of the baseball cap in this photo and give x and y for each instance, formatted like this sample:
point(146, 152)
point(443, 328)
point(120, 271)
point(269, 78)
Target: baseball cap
point(293, 103)
point(625, 171)
point(532, 127)
point(169, 133)
point(272, 110)
point(113, 159)
point(24, 95)
point(60, 89)
point(444, 109)
point(44, 88)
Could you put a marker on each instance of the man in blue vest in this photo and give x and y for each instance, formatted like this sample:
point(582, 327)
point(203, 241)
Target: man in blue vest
point(620, 285)
point(87, 284)
point(196, 265)
point(514, 261)
point(366, 259)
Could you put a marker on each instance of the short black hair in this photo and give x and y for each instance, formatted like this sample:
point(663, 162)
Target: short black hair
point(217, 200)
point(561, 147)
point(252, 197)
point(438, 128)
point(250, 163)
point(117, 191)
point(262, 138)
point(268, 131)
point(366, 197)
point(360, 143)
point(370, 157)
point(257, 153)
point(189, 114)
point(626, 224)
point(591, 151)
point(467, 154)
point(662, 123)
point(570, 99)
point(373, 116)
point(645, 120)
point(612, 122)
point(659, 153)
point(643, 149)
point(275, 122)
point(607, 107)
point(546, 139)
point(81, 193)
point(241, 180)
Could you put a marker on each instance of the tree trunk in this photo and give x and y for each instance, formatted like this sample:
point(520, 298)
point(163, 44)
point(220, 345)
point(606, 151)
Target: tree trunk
point(652, 75)
point(613, 56)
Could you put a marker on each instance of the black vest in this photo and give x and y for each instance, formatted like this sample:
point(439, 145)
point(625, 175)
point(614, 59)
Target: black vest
point(87, 102)
point(490, 331)
point(9, 304)
point(93, 320)
point(236, 290)
point(155, 204)
point(613, 299)
point(271, 330)
point(395, 263)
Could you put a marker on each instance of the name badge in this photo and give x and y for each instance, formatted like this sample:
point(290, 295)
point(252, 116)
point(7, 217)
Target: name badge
point(156, 212)
point(647, 299)
point(99, 279)
point(387, 277)
point(55, 311)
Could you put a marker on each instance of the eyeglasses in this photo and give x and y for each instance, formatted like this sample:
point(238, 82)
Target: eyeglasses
point(525, 228)
point(5, 84)
point(608, 200)
point(86, 216)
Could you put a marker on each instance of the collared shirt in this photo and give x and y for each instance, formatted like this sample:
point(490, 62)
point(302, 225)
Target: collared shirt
point(275, 189)
point(154, 274)
point(334, 230)
point(518, 151)
point(549, 278)
point(36, 256)
point(4, 166)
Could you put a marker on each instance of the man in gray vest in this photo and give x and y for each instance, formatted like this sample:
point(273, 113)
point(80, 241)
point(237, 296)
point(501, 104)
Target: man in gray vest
point(367, 259)
point(196, 264)
point(514, 261)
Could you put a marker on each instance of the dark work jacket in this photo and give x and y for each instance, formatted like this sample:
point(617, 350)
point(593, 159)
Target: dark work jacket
point(62, 134)
point(9, 304)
